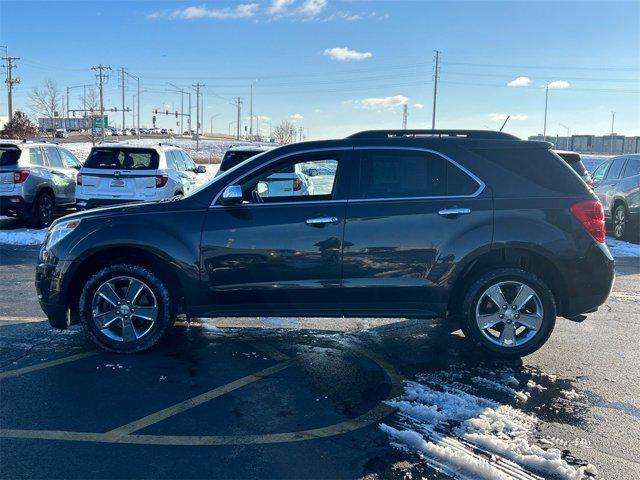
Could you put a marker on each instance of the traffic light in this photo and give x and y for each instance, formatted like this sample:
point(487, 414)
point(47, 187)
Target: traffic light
point(176, 114)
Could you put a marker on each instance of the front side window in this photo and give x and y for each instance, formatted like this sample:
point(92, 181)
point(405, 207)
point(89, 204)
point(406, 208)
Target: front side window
point(300, 179)
point(616, 169)
point(177, 160)
point(122, 158)
point(598, 175)
point(53, 157)
point(388, 173)
point(188, 162)
point(68, 159)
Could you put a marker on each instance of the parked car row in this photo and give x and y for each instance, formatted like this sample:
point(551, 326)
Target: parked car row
point(39, 178)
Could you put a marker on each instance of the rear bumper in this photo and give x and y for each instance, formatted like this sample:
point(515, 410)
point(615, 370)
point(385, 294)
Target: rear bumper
point(103, 202)
point(14, 205)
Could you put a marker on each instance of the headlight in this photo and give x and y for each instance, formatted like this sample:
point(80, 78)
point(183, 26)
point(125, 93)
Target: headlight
point(60, 230)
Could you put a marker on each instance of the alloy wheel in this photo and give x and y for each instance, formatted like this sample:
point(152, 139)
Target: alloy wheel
point(619, 221)
point(124, 309)
point(45, 210)
point(509, 314)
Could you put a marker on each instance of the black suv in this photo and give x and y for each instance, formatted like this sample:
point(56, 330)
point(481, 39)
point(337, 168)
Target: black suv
point(492, 232)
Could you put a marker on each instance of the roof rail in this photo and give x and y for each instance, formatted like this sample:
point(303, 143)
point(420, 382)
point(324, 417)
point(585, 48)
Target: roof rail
point(481, 134)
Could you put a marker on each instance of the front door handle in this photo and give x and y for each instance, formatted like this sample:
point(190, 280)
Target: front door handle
point(319, 221)
point(453, 212)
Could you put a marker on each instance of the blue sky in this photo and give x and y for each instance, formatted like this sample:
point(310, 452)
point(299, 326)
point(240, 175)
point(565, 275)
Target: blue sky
point(335, 67)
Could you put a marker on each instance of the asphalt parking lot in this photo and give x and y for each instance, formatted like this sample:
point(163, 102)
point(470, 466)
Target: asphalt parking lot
point(286, 397)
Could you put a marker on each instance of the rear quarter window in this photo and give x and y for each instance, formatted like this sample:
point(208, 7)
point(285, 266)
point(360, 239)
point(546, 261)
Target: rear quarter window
point(523, 172)
point(632, 168)
point(122, 159)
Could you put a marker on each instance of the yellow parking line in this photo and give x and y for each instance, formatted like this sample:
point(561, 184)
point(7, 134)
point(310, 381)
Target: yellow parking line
point(16, 319)
point(195, 401)
point(40, 366)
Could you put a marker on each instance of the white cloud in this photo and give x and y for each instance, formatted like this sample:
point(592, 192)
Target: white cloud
point(558, 84)
point(278, 6)
point(342, 15)
point(311, 8)
point(343, 53)
point(296, 117)
point(503, 116)
point(243, 10)
point(520, 82)
point(384, 102)
point(419, 106)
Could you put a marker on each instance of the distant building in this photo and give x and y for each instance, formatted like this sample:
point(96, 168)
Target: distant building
point(604, 144)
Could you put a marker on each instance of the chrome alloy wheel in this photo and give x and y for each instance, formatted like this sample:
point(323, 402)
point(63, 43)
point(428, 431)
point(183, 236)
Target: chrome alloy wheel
point(619, 222)
point(509, 314)
point(124, 309)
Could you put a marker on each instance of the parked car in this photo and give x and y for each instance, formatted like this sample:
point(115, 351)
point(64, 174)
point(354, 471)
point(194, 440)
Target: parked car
point(164, 131)
point(61, 133)
point(116, 132)
point(238, 154)
point(496, 234)
point(126, 132)
point(617, 184)
point(36, 179)
point(122, 173)
point(133, 131)
point(575, 162)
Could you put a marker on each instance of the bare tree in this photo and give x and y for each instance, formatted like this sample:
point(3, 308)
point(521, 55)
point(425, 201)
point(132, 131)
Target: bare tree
point(90, 101)
point(47, 102)
point(284, 132)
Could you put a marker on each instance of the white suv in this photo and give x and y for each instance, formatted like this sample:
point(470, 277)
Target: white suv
point(124, 173)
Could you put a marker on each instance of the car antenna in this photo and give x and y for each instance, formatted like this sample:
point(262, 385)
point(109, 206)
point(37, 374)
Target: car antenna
point(505, 122)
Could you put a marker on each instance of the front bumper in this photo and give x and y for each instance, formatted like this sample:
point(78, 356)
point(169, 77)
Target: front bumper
point(49, 289)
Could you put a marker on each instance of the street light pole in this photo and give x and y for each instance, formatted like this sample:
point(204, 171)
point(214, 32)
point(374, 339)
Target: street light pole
point(568, 136)
point(546, 103)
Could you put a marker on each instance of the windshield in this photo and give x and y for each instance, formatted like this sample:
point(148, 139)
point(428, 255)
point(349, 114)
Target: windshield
point(122, 158)
point(233, 158)
point(222, 176)
point(9, 156)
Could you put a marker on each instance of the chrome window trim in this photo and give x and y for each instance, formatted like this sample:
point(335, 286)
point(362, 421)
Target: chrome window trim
point(481, 184)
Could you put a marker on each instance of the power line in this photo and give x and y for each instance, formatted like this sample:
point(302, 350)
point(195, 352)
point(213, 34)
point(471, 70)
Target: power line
point(436, 73)
point(543, 67)
point(10, 80)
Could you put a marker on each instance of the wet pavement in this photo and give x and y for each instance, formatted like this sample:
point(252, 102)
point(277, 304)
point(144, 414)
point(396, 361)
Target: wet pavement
point(293, 398)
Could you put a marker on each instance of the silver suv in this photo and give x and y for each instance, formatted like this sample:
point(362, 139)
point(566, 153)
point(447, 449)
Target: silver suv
point(36, 178)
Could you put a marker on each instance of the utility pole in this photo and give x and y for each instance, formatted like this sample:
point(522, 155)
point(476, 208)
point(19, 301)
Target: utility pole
point(613, 119)
point(546, 104)
point(405, 114)
point(568, 145)
point(10, 81)
point(238, 103)
point(123, 118)
point(435, 89)
point(197, 87)
point(100, 69)
point(251, 114)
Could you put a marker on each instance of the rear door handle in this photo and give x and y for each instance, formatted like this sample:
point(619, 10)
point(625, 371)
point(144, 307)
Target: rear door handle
point(453, 212)
point(319, 221)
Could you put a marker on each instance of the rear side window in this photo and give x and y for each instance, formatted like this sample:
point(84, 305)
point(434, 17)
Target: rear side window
point(68, 159)
point(53, 157)
point(122, 158)
point(9, 156)
point(36, 157)
point(632, 168)
point(405, 174)
point(616, 168)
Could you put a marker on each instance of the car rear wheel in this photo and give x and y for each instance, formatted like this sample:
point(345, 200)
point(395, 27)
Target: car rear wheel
point(43, 210)
point(620, 221)
point(125, 308)
point(509, 312)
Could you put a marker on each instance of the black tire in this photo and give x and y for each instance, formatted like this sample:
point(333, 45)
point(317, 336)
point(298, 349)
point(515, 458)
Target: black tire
point(162, 298)
point(620, 222)
point(43, 209)
point(474, 333)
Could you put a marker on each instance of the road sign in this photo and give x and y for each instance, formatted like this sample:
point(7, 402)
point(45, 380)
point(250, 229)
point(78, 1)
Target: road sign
point(98, 122)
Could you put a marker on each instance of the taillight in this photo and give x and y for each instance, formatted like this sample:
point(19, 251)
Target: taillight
point(591, 215)
point(161, 180)
point(79, 179)
point(20, 176)
point(297, 184)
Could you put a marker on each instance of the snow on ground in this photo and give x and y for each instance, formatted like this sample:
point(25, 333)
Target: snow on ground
point(623, 249)
point(452, 420)
point(22, 236)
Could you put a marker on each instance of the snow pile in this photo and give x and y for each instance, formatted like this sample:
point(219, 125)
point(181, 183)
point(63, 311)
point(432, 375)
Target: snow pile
point(461, 433)
point(619, 248)
point(22, 236)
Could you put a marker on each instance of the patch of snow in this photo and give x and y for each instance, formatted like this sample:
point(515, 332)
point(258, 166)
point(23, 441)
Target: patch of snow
point(620, 248)
point(466, 435)
point(22, 236)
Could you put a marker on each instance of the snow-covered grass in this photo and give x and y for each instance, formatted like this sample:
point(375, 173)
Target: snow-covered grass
point(22, 236)
point(445, 419)
point(623, 249)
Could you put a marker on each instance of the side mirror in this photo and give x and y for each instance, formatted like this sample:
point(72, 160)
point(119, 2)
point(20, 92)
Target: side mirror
point(262, 188)
point(201, 169)
point(232, 195)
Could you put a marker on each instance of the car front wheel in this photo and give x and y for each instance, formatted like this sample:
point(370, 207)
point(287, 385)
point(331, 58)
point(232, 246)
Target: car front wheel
point(125, 308)
point(509, 312)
